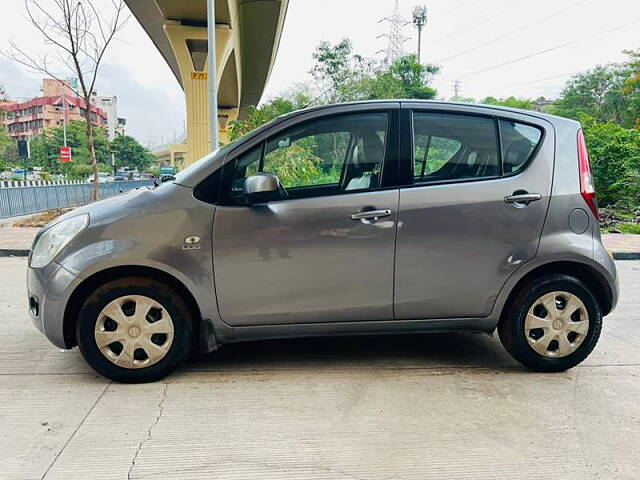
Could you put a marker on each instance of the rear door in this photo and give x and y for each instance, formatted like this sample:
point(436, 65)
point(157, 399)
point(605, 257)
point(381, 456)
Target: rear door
point(476, 193)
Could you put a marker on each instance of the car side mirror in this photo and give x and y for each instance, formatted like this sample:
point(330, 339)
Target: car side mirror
point(261, 188)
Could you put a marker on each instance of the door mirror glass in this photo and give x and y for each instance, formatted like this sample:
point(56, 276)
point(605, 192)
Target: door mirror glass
point(261, 188)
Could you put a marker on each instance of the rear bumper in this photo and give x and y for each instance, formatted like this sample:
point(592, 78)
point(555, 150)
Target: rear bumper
point(608, 269)
point(48, 292)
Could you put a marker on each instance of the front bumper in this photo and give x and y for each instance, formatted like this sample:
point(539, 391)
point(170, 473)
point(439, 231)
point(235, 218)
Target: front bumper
point(49, 289)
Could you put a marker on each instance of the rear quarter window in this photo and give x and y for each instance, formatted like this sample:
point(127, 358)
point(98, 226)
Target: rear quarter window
point(519, 143)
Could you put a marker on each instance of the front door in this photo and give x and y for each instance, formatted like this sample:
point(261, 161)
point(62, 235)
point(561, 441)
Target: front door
point(472, 212)
point(317, 254)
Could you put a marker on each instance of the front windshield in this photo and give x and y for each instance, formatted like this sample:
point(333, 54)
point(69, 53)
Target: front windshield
point(182, 174)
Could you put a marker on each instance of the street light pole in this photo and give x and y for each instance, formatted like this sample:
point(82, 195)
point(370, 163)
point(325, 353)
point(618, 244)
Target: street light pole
point(212, 76)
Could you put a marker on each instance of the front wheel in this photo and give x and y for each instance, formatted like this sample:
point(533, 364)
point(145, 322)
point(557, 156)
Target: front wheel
point(134, 330)
point(552, 325)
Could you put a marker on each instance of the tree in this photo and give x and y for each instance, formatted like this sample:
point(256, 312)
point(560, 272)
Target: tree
point(338, 72)
point(511, 102)
point(599, 94)
point(80, 34)
point(295, 99)
point(404, 78)
point(631, 86)
point(343, 76)
point(45, 148)
point(615, 161)
point(128, 152)
point(8, 150)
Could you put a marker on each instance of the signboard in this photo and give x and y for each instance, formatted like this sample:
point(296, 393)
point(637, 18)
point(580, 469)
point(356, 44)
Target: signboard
point(65, 154)
point(198, 75)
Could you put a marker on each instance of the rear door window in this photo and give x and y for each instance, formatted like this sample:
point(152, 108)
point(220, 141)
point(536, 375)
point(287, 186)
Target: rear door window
point(453, 147)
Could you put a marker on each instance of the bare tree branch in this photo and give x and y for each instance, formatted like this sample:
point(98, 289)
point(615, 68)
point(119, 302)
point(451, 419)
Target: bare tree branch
point(80, 34)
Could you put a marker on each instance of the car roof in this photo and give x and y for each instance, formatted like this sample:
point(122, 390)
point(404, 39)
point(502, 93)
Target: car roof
point(438, 103)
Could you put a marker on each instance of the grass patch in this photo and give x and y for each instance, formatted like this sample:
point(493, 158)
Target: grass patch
point(41, 219)
point(629, 228)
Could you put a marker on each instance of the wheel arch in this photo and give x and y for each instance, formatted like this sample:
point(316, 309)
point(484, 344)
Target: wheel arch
point(588, 275)
point(89, 284)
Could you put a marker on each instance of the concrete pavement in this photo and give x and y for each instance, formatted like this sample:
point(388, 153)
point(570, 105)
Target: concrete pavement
point(16, 241)
point(416, 407)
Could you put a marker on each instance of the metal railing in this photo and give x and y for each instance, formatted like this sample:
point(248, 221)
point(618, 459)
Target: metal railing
point(23, 200)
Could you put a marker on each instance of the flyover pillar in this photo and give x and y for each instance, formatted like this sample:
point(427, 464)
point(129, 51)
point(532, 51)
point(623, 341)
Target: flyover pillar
point(189, 44)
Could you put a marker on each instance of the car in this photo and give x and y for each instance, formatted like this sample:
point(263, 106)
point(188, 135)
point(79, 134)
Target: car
point(102, 178)
point(380, 217)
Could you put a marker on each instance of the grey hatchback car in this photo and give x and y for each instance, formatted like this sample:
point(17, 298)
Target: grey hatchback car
point(365, 218)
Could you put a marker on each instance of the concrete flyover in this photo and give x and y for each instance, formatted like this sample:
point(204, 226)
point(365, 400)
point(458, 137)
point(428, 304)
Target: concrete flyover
point(247, 37)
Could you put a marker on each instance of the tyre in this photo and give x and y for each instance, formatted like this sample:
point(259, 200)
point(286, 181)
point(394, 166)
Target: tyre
point(552, 325)
point(134, 330)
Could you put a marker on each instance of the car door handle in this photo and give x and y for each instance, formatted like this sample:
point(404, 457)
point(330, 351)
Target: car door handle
point(370, 214)
point(522, 199)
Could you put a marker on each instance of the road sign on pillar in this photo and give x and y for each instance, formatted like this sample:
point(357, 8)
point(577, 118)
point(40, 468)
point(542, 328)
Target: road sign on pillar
point(65, 154)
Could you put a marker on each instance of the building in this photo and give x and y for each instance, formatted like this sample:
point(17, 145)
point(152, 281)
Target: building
point(115, 124)
point(247, 34)
point(23, 120)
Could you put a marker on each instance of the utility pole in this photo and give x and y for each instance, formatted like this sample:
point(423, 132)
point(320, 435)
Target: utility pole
point(457, 86)
point(396, 38)
point(212, 76)
point(64, 122)
point(419, 21)
point(64, 117)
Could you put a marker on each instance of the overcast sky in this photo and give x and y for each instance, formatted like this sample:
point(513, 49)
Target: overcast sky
point(466, 37)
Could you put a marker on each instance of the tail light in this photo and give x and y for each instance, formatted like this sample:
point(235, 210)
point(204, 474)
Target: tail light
point(587, 188)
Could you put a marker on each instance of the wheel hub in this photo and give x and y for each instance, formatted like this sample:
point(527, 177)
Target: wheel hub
point(134, 331)
point(556, 324)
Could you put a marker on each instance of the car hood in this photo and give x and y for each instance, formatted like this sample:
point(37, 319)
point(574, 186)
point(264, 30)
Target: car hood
point(127, 204)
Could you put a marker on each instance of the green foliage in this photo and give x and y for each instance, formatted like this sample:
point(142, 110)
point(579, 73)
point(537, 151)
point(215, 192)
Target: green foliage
point(598, 93)
point(343, 76)
point(629, 228)
point(258, 116)
point(615, 162)
point(45, 151)
point(45, 148)
point(631, 86)
point(512, 102)
point(405, 78)
point(128, 152)
point(295, 165)
point(79, 171)
point(8, 150)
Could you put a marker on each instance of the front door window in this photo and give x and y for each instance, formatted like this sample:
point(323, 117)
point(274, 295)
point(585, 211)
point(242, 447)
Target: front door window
point(328, 156)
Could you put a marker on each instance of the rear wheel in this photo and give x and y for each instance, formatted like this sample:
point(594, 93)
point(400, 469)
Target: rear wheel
point(134, 330)
point(552, 325)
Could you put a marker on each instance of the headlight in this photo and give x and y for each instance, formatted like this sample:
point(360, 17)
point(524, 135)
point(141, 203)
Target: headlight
point(56, 238)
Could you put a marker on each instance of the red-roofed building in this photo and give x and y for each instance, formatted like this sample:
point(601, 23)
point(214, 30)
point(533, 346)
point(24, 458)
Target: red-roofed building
point(23, 120)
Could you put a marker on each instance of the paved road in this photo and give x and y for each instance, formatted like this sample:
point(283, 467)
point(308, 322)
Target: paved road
point(419, 407)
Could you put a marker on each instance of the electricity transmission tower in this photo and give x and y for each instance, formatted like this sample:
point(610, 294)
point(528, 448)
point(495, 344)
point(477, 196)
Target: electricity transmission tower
point(394, 36)
point(419, 21)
